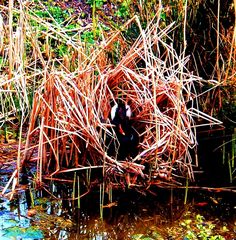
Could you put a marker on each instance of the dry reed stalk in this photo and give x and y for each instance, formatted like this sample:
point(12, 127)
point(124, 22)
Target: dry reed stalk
point(231, 61)
point(10, 5)
point(2, 33)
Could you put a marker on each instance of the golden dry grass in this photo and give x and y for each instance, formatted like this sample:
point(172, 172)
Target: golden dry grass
point(73, 108)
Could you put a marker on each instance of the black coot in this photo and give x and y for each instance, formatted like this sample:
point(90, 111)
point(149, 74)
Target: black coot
point(127, 136)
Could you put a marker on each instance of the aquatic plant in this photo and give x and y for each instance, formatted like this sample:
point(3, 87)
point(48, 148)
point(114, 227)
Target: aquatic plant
point(199, 228)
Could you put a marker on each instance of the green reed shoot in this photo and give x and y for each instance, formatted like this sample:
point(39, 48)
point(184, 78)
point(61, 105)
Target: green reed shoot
point(31, 196)
point(233, 147)
point(74, 181)
point(223, 151)
point(78, 192)
point(186, 191)
point(110, 194)
point(231, 158)
point(88, 176)
point(230, 169)
point(102, 187)
point(94, 19)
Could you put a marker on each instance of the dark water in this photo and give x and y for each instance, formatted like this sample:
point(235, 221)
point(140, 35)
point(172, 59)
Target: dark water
point(133, 216)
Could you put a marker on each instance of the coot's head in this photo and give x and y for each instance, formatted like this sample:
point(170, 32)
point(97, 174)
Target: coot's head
point(120, 116)
point(120, 112)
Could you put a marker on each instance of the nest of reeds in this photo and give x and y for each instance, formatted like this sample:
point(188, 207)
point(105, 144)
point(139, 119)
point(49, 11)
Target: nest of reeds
point(71, 113)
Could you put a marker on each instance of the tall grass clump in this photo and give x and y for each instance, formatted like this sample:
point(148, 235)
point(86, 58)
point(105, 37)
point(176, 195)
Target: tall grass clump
point(72, 109)
point(69, 116)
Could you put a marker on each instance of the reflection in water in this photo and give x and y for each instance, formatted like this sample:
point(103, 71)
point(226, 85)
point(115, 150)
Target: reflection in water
point(14, 222)
point(134, 215)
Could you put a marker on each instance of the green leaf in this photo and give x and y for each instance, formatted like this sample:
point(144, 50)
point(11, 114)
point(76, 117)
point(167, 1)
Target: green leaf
point(137, 236)
point(13, 231)
point(163, 16)
point(33, 232)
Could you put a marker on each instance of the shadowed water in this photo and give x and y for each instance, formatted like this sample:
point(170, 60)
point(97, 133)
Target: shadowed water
point(36, 215)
